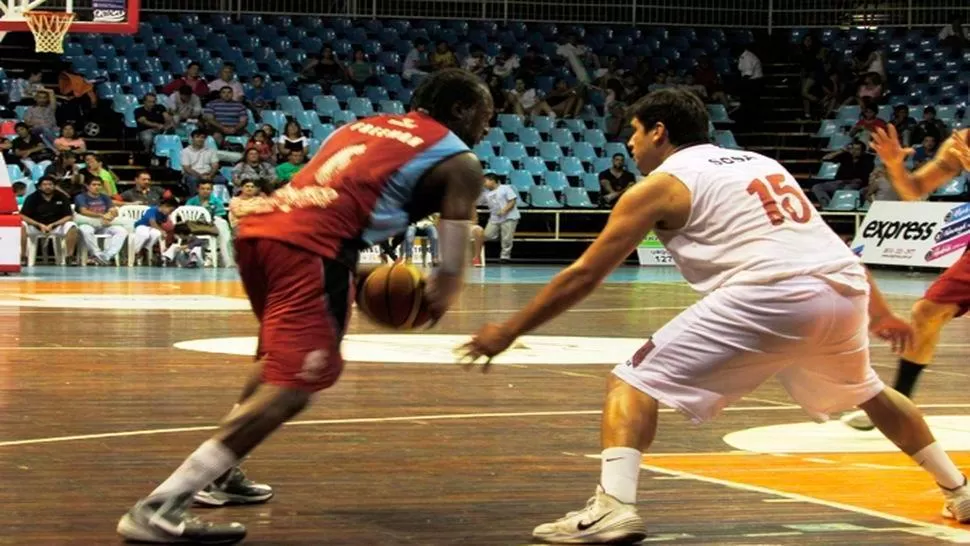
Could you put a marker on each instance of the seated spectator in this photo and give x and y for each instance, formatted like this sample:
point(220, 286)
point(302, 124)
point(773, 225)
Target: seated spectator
point(575, 54)
point(286, 171)
point(416, 63)
point(426, 227)
point(903, 123)
point(109, 180)
point(148, 229)
point(66, 174)
point(21, 92)
point(253, 169)
point(690, 85)
point(880, 188)
point(185, 105)
point(615, 181)
point(226, 115)
point(812, 75)
point(954, 35)
point(227, 78)
point(529, 101)
point(925, 151)
point(532, 64)
point(69, 141)
point(930, 125)
point(833, 87)
point(869, 59)
point(324, 69)
point(503, 101)
point(217, 209)
point(360, 71)
point(443, 57)
point(855, 166)
point(870, 91)
point(143, 193)
point(19, 192)
point(505, 63)
point(263, 145)
point(47, 211)
point(28, 149)
point(200, 163)
point(564, 101)
point(41, 117)
point(868, 122)
point(226, 151)
point(96, 214)
point(269, 133)
point(7, 150)
point(249, 190)
point(258, 96)
point(292, 139)
point(192, 79)
point(502, 203)
point(152, 119)
point(659, 82)
point(476, 62)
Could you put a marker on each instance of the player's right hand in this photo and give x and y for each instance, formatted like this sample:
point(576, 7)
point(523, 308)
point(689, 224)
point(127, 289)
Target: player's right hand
point(886, 144)
point(895, 330)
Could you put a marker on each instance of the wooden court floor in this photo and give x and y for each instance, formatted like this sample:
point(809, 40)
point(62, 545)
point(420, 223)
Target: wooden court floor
point(97, 406)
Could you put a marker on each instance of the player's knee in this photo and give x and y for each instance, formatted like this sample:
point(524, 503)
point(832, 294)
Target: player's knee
point(927, 313)
point(287, 404)
point(477, 233)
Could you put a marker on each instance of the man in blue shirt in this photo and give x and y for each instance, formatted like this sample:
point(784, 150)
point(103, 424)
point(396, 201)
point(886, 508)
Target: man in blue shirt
point(149, 230)
point(95, 215)
point(502, 203)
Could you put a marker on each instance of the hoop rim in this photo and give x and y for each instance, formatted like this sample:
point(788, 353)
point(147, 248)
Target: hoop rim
point(129, 26)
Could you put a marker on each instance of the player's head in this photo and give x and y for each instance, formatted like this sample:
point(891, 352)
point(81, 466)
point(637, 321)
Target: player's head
point(458, 100)
point(663, 121)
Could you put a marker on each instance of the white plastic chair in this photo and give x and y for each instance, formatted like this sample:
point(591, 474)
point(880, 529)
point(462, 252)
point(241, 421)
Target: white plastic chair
point(188, 213)
point(133, 213)
point(59, 249)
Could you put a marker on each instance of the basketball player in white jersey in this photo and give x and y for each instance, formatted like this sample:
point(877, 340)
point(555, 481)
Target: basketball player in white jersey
point(784, 297)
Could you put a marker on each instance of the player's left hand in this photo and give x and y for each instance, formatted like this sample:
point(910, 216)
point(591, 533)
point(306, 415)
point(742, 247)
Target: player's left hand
point(895, 330)
point(489, 341)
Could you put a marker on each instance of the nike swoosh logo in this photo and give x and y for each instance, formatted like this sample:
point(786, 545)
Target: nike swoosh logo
point(584, 526)
point(613, 459)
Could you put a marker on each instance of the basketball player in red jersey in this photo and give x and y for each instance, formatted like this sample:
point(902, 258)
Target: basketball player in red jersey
point(297, 251)
point(949, 296)
point(783, 297)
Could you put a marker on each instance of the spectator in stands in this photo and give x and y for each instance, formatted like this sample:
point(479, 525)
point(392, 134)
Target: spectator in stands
point(505, 63)
point(19, 193)
point(193, 79)
point(870, 91)
point(200, 163)
point(217, 210)
point(903, 123)
point(95, 216)
point(185, 105)
point(868, 122)
point(253, 168)
point(227, 78)
point(426, 227)
point(880, 188)
point(324, 69)
point(249, 190)
point(226, 151)
point(954, 35)
point(615, 181)
point(28, 149)
point(149, 228)
point(97, 168)
point(225, 114)
point(532, 64)
point(476, 62)
point(288, 169)
point(930, 125)
point(42, 118)
point(750, 88)
point(258, 96)
point(264, 145)
point(291, 139)
point(870, 59)
point(360, 71)
point(66, 174)
point(503, 101)
point(565, 101)
point(144, 193)
point(7, 150)
point(415, 63)
point(833, 86)
point(152, 119)
point(528, 99)
point(21, 92)
point(443, 57)
point(502, 203)
point(659, 82)
point(48, 212)
point(812, 74)
point(69, 141)
point(925, 151)
point(575, 54)
point(855, 166)
point(269, 132)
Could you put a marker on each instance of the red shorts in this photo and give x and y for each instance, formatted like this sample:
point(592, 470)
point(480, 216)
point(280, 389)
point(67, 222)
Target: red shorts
point(303, 303)
point(953, 286)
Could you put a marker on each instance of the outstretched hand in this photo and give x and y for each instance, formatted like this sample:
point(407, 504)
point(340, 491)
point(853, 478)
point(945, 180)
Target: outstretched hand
point(489, 341)
point(895, 330)
point(886, 144)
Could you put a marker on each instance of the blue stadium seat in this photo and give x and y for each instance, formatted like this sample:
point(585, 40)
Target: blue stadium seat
point(484, 150)
point(14, 173)
point(828, 128)
point(542, 197)
point(500, 165)
point(613, 148)
point(343, 116)
point(376, 94)
point(577, 198)
point(309, 92)
point(514, 151)
point(522, 181)
point(544, 124)
point(308, 119)
point(510, 123)
point(535, 165)
point(550, 151)
point(718, 113)
point(844, 201)
point(563, 137)
point(575, 125)
point(725, 139)
point(343, 92)
point(848, 115)
point(827, 171)
point(571, 166)
point(276, 119)
point(392, 107)
point(323, 131)
point(326, 105)
point(529, 136)
point(360, 106)
point(584, 152)
point(594, 137)
point(591, 182)
point(838, 141)
point(496, 136)
point(289, 104)
point(555, 180)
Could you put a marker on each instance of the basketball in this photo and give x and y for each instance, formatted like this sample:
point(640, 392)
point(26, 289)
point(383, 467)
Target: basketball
point(393, 296)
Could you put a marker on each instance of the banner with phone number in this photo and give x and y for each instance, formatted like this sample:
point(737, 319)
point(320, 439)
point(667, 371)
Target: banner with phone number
point(651, 252)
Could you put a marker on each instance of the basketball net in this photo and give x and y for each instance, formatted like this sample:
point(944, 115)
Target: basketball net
point(49, 29)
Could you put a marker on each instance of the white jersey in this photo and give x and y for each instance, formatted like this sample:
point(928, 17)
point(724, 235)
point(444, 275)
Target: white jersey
point(750, 223)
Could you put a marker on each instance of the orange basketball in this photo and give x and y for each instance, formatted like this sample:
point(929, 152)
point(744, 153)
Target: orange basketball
point(392, 296)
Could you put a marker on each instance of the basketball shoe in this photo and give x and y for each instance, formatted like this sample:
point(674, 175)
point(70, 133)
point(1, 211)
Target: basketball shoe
point(956, 503)
point(605, 520)
point(165, 521)
point(858, 420)
point(234, 487)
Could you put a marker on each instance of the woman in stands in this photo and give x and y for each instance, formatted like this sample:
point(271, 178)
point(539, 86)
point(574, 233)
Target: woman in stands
point(253, 169)
point(69, 141)
point(291, 140)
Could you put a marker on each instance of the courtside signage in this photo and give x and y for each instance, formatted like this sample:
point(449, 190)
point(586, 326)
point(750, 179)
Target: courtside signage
point(916, 234)
point(652, 252)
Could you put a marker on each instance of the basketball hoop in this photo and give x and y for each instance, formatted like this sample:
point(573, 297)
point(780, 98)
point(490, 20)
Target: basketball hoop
point(49, 29)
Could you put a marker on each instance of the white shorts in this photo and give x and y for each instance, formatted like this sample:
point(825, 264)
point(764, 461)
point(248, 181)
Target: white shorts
point(60, 231)
point(812, 337)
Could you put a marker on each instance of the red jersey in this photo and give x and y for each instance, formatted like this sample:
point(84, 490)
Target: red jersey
point(356, 189)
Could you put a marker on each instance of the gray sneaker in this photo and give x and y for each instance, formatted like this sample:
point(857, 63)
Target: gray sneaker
point(167, 522)
point(234, 487)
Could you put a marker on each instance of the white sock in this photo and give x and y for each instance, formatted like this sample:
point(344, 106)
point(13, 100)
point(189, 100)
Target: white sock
point(620, 472)
point(208, 462)
point(935, 461)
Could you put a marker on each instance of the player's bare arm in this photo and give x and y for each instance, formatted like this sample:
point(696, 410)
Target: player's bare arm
point(952, 158)
point(884, 322)
point(659, 200)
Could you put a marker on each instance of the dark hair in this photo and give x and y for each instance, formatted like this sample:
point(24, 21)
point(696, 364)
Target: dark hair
point(224, 88)
point(185, 90)
point(420, 42)
point(209, 182)
point(438, 93)
point(19, 185)
point(45, 178)
point(857, 142)
point(929, 109)
point(143, 172)
point(260, 76)
point(21, 124)
point(193, 63)
point(618, 155)
point(198, 132)
point(682, 113)
point(170, 202)
point(229, 65)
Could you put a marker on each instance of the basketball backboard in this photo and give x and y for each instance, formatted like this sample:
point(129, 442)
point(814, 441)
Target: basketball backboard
point(91, 16)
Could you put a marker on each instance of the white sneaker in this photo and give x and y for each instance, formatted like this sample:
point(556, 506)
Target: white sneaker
point(858, 420)
point(605, 520)
point(957, 503)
